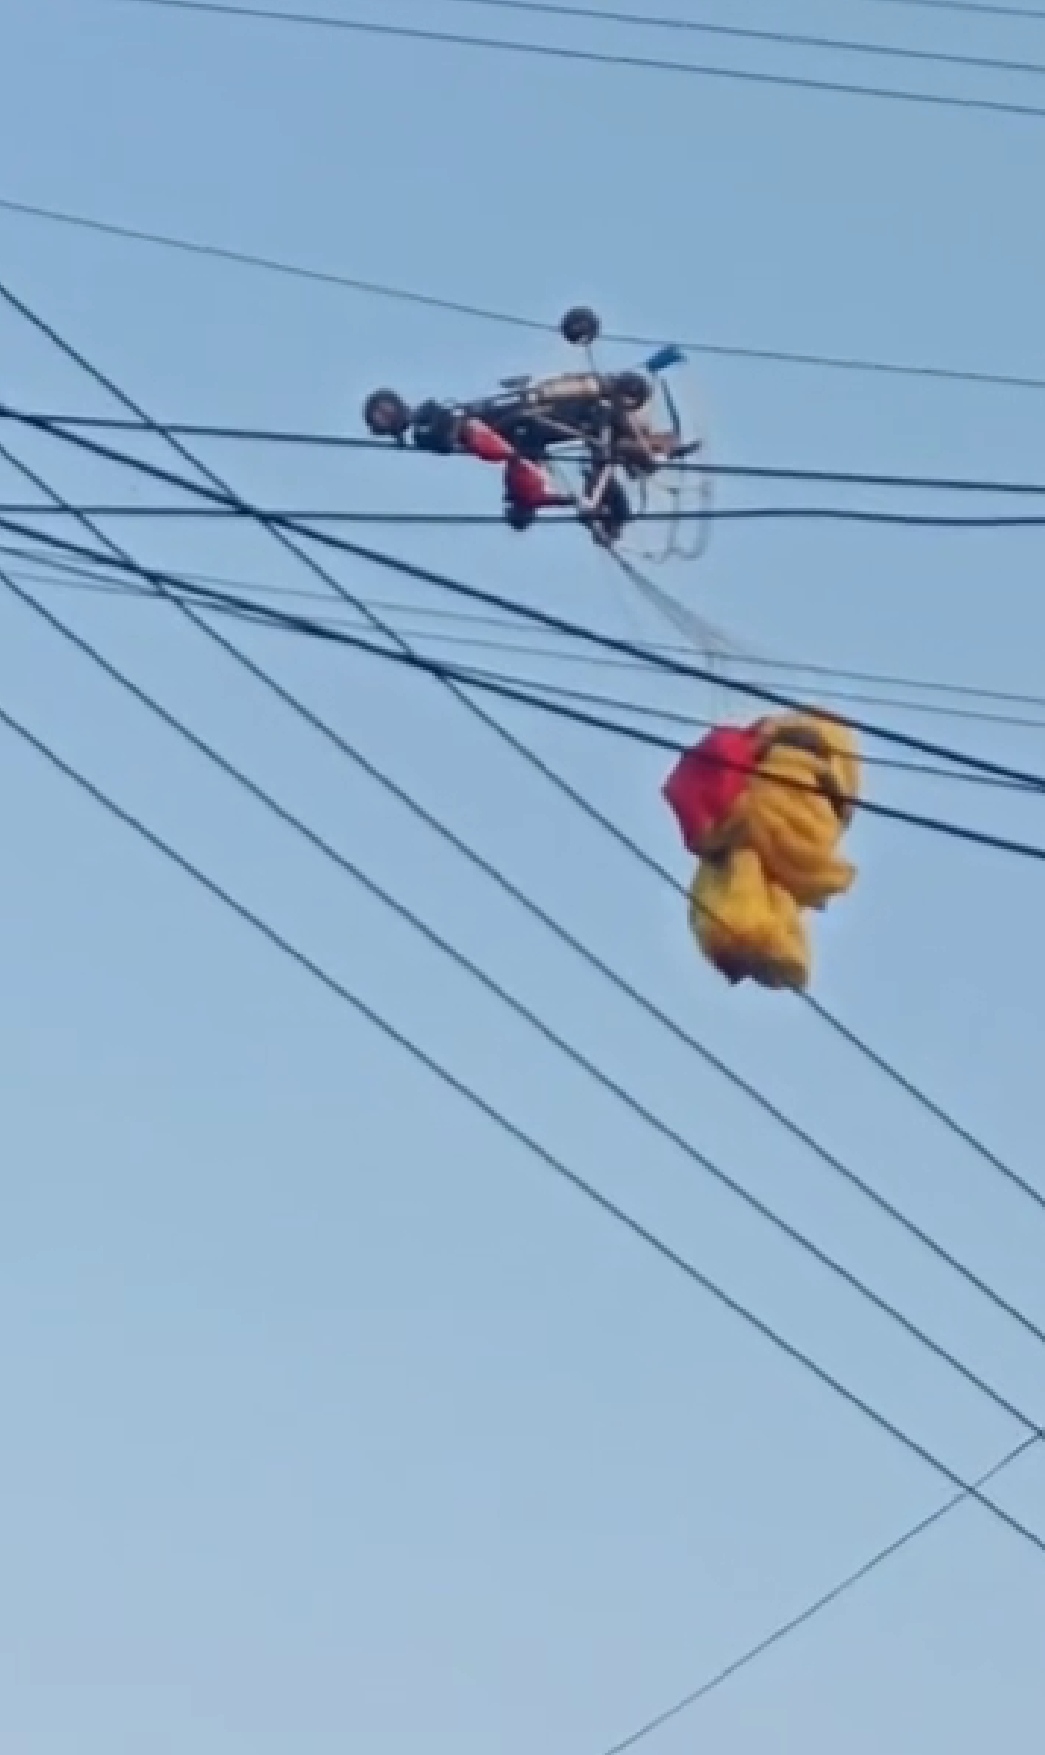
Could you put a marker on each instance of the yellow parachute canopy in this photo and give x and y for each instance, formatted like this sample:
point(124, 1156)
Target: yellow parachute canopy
point(767, 834)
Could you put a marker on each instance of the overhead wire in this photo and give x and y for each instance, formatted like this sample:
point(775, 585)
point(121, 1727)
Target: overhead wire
point(82, 577)
point(788, 39)
point(753, 660)
point(558, 520)
point(454, 677)
point(510, 319)
point(280, 525)
point(514, 1131)
point(981, 6)
point(593, 57)
point(353, 442)
point(825, 1600)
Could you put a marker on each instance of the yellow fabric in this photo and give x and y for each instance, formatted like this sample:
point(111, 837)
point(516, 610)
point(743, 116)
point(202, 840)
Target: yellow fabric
point(778, 854)
point(749, 927)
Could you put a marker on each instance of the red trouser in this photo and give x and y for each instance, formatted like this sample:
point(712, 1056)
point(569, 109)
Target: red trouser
point(526, 485)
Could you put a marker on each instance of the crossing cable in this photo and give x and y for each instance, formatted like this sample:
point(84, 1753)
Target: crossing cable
point(506, 319)
point(530, 756)
point(507, 690)
point(462, 618)
point(49, 569)
point(351, 442)
point(989, 11)
point(349, 868)
point(512, 687)
point(514, 1131)
point(556, 520)
point(812, 1610)
point(593, 57)
point(279, 525)
point(590, 957)
point(749, 34)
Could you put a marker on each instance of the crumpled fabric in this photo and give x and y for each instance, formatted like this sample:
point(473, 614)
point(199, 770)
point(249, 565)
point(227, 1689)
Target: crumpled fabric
point(765, 807)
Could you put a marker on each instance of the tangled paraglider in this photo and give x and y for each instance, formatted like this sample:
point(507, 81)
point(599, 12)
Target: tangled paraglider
point(764, 807)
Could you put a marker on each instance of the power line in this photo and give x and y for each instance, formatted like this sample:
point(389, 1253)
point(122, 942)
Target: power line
point(595, 57)
point(340, 441)
point(83, 577)
point(967, 6)
point(653, 659)
point(86, 575)
point(509, 319)
point(279, 526)
point(743, 33)
point(115, 423)
point(463, 618)
point(812, 1610)
point(486, 520)
point(512, 1130)
point(456, 679)
point(563, 786)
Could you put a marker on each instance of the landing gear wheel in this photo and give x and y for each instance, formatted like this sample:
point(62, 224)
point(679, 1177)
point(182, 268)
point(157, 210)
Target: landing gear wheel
point(607, 521)
point(580, 326)
point(386, 414)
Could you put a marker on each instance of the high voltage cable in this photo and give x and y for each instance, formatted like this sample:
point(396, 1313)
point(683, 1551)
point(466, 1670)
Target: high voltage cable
point(753, 660)
point(514, 1131)
point(510, 1001)
point(812, 1610)
point(459, 618)
point(980, 6)
point(594, 57)
point(351, 442)
point(510, 319)
point(279, 526)
point(652, 658)
point(741, 33)
point(486, 520)
point(332, 632)
point(452, 676)
point(533, 760)
point(84, 576)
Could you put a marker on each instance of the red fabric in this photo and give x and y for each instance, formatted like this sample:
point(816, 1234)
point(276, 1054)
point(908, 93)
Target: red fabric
point(528, 486)
point(481, 441)
point(709, 779)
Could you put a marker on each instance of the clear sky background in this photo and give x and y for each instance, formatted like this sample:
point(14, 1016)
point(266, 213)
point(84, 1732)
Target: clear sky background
point(332, 1422)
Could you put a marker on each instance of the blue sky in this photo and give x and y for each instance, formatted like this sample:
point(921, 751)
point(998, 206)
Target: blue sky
point(332, 1422)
